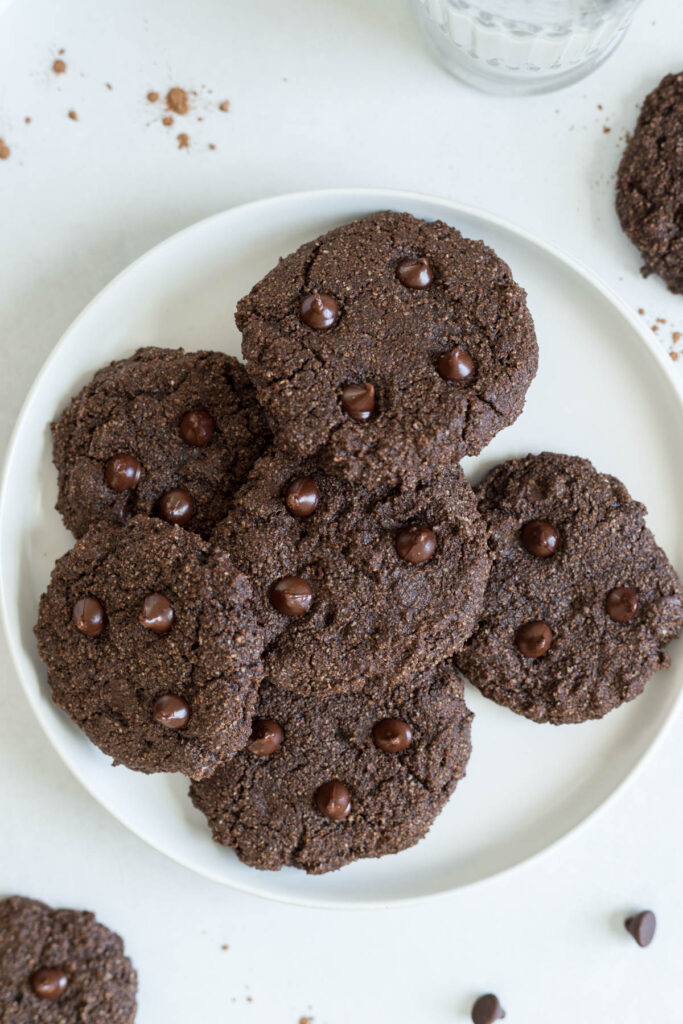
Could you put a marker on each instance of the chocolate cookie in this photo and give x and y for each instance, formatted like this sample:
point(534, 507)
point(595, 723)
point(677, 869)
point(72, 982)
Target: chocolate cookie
point(152, 647)
point(580, 601)
point(325, 782)
point(650, 183)
point(357, 585)
point(386, 344)
point(166, 432)
point(62, 967)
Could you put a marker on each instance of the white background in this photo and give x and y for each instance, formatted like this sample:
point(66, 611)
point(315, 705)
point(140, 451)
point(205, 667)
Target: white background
point(323, 93)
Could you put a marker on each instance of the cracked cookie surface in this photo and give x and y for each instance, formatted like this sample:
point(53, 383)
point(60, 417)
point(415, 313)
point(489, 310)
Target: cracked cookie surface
point(580, 601)
point(275, 804)
point(430, 325)
point(152, 646)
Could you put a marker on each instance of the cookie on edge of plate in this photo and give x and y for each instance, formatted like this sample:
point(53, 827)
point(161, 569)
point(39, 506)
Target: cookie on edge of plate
point(580, 601)
point(152, 646)
point(355, 585)
point(386, 344)
point(62, 967)
point(650, 183)
point(325, 782)
point(165, 432)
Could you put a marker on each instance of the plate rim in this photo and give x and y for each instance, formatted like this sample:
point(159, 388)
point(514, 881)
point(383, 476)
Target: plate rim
point(390, 198)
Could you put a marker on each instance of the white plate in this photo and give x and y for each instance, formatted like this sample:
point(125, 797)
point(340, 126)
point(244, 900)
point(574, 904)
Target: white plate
point(603, 390)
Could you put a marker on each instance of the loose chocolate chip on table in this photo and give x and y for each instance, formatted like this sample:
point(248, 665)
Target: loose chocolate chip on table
point(157, 613)
point(392, 735)
point(540, 538)
point(171, 711)
point(49, 982)
point(88, 616)
point(123, 472)
point(487, 1009)
point(414, 273)
point(176, 506)
point(291, 596)
point(197, 427)
point(642, 927)
point(456, 365)
point(358, 401)
point(622, 604)
point(302, 497)
point(533, 639)
point(266, 737)
point(333, 800)
point(319, 311)
point(416, 544)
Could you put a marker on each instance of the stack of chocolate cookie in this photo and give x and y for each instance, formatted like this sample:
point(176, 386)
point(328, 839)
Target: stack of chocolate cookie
point(280, 569)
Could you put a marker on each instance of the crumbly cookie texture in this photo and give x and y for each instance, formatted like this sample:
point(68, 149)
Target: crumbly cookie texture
point(355, 585)
point(650, 183)
point(62, 967)
point(325, 782)
point(152, 646)
point(162, 421)
point(580, 601)
point(388, 343)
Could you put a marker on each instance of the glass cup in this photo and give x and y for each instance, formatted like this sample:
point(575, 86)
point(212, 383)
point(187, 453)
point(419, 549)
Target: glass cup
point(521, 47)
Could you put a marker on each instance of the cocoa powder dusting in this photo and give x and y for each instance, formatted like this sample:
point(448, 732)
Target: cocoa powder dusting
point(676, 336)
point(73, 115)
point(224, 106)
point(177, 100)
point(152, 96)
point(59, 67)
point(168, 120)
point(4, 150)
point(183, 141)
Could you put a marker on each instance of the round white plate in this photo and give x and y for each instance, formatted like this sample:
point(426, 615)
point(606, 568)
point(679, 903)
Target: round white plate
point(603, 390)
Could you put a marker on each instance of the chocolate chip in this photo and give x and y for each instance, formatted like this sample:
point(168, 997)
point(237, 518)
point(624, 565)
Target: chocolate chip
point(266, 737)
point(171, 711)
point(319, 311)
point(157, 613)
point(392, 735)
point(414, 273)
point(534, 639)
point(197, 427)
point(88, 615)
point(49, 982)
point(333, 799)
point(358, 401)
point(123, 472)
point(642, 927)
point(416, 544)
point(622, 604)
point(540, 538)
point(176, 506)
point(291, 596)
point(487, 1009)
point(302, 497)
point(456, 365)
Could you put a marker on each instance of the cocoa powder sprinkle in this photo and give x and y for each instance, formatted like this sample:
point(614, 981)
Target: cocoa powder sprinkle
point(676, 336)
point(73, 115)
point(152, 96)
point(177, 100)
point(168, 120)
point(59, 67)
point(4, 150)
point(183, 141)
point(224, 106)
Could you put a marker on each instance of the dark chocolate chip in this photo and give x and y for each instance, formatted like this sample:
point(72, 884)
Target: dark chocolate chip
point(358, 401)
point(319, 311)
point(414, 273)
point(176, 506)
point(266, 737)
point(534, 639)
point(123, 472)
point(642, 927)
point(197, 427)
point(540, 538)
point(291, 596)
point(157, 613)
point(333, 799)
point(302, 497)
point(455, 365)
point(88, 615)
point(416, 544)
point(622, 604)
point(49, 982)
point(487, 1009)
point(171, 711)
point(392, 735)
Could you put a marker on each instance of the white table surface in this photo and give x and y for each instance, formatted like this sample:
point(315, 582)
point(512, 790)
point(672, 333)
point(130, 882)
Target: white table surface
point(323, 93)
